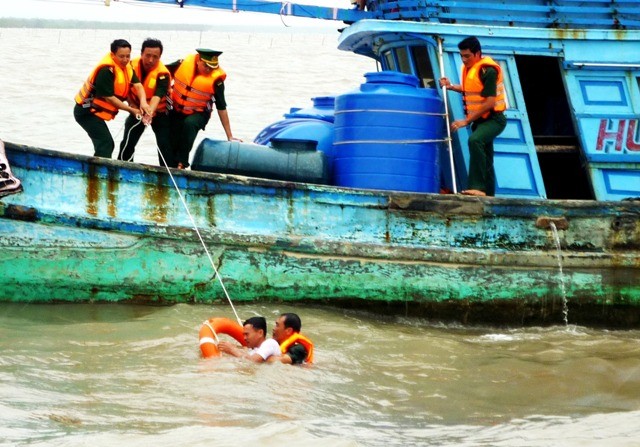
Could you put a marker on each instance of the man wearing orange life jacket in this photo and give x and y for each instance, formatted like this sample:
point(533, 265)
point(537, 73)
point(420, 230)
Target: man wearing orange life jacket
point(484, 101)
point(103, 95)
point(295, 347)
point(198, 85)
point(156, 81)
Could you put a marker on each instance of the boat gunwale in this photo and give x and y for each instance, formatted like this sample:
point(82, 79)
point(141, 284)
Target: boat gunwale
point(400, 200)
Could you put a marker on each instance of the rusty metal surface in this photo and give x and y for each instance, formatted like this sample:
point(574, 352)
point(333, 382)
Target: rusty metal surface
point(117, 232)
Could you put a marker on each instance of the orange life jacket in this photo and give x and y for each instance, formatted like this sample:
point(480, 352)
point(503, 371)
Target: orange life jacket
point(149, 83)
point(121, 86)
point(192, 92)
point(304, 341)
point(472, 87)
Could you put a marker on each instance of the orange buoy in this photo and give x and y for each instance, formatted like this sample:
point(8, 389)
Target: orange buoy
point(212, 328)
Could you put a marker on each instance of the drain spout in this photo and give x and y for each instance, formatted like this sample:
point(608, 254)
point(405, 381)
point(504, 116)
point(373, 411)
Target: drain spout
point(544, 222)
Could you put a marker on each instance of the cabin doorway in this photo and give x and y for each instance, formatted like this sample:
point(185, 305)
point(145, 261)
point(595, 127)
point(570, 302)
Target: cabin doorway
point(552, 128)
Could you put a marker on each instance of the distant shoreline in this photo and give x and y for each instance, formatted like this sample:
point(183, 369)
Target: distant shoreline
point(83, 24)
point(14, 22)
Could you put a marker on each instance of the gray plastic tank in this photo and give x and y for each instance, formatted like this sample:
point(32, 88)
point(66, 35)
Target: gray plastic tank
point(291, 160)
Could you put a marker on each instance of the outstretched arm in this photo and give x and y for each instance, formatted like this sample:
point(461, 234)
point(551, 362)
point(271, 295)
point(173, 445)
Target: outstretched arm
point(238, 351)
point(224, 120)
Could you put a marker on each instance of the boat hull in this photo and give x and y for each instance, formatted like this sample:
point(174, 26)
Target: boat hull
point(92, 230)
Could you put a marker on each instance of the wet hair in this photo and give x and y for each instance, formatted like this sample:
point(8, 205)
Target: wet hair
point(470, 43)
point(119, 43)
point(258, 323)
point(151, 43)
point(293, 321)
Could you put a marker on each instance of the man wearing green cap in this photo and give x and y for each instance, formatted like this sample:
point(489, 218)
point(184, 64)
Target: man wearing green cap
point(198, 85)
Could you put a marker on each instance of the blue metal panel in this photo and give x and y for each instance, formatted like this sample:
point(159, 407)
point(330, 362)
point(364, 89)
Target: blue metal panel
point(612, 139)
point(276, 7)
point(608, 128)
point(624, 14)
point(515, 175)
point(616, 181)
point(610, 92)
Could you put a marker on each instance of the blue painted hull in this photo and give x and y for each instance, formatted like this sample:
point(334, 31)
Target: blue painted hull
point(88, 229)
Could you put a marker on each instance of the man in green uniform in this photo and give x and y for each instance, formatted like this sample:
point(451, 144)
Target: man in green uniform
point(198, 85)
point(484, 100)
point(295, 347)
point(156, 80)
point(104, 93)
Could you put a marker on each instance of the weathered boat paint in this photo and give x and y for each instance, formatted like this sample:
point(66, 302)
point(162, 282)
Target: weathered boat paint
point(89, 229)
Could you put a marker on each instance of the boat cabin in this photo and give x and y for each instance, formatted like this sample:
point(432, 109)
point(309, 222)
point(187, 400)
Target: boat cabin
point(572, 76)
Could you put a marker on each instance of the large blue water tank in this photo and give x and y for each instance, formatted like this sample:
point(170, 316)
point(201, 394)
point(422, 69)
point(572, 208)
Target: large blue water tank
point(388, 134)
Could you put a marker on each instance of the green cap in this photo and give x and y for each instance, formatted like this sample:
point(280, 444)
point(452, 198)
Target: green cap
point(209, 57)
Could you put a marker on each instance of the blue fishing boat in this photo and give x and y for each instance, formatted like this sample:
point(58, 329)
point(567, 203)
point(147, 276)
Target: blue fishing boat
point(370, 226)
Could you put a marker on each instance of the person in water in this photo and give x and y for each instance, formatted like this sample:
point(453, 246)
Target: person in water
point(295, 347)
point(198, 85)
point(484, 101)
point(156, 81)
point(259, 348)
point(104, 94)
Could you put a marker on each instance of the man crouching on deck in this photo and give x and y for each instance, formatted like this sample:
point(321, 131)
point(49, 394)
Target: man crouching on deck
point(260, 349)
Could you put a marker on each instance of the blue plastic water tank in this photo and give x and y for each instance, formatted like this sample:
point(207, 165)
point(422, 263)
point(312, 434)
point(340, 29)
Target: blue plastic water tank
point(322, 109)
point(388, 134)
point(310, 123)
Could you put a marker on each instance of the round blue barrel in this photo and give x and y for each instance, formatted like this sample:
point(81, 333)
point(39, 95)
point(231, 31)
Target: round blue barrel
point(310, 123)
point(322, 109)
point(388, 135)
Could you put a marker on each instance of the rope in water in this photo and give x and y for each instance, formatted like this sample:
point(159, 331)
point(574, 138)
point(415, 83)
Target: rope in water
point(195, 227)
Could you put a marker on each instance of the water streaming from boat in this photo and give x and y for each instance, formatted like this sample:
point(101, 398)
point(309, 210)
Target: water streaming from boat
point(561, 279)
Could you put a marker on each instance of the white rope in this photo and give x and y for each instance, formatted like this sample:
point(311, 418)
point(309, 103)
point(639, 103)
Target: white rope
point(386, 111)
point(336, 143)
point(213, 331)
point(446, 114)
point(195, 227)
point(287, 6)
point(139, 118)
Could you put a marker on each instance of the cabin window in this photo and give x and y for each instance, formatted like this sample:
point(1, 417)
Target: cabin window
point(404, 63)
point(508, 89)
point(423, 68)
point(411, 60)
point(389, 61)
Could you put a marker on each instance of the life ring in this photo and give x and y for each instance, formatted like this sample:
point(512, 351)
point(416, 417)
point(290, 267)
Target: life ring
point(216, 326)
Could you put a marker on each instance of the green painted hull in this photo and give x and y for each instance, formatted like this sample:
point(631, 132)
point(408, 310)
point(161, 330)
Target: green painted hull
point(87, 229)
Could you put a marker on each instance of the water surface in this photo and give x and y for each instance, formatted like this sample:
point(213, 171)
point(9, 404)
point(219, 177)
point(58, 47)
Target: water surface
point(105, 374)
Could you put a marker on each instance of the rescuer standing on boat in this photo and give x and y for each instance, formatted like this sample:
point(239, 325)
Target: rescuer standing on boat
point(156, 81)
point(198, 84)
point(103, 95)
point(484, 101)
